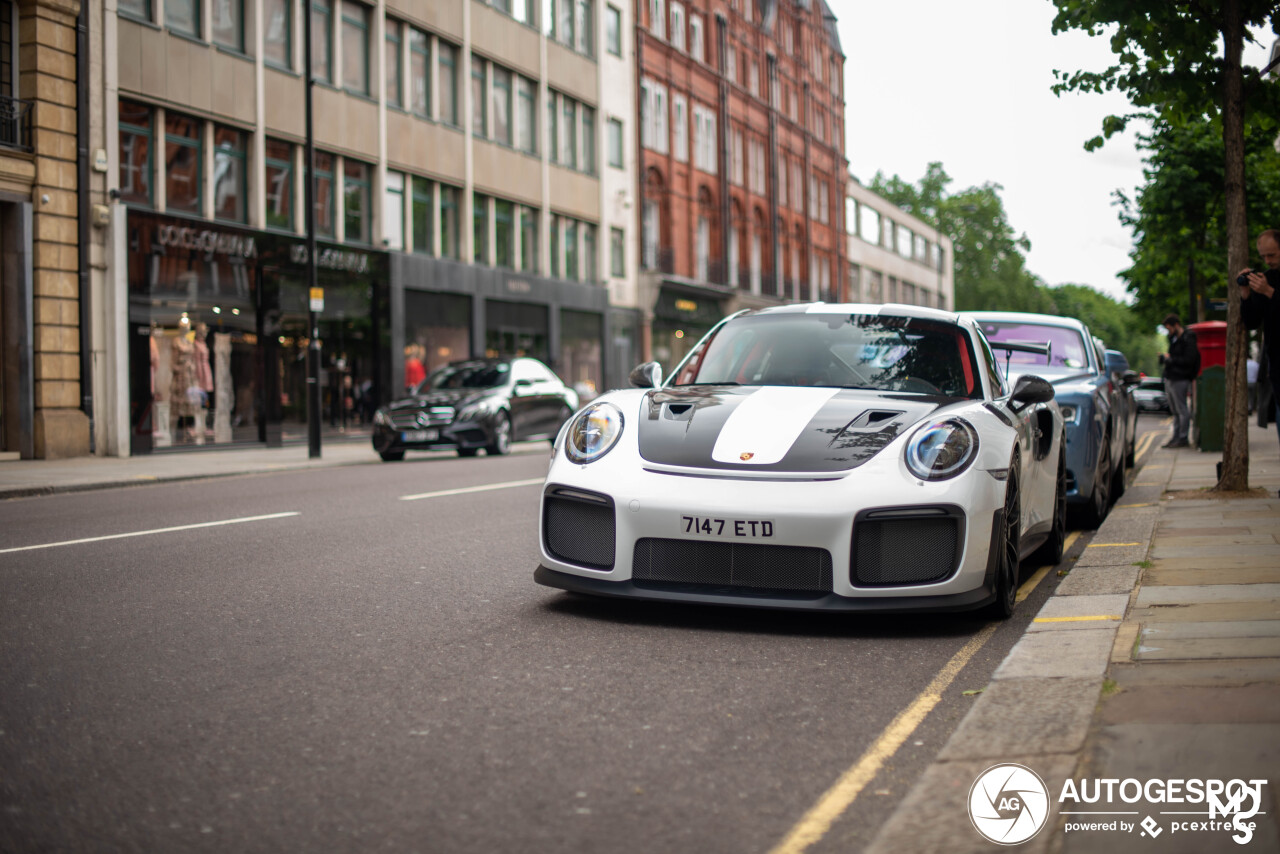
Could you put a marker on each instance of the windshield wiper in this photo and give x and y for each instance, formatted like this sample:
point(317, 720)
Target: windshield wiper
point(726, 382)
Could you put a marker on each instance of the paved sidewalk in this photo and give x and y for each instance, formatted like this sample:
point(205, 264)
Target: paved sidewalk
point(1157, 657)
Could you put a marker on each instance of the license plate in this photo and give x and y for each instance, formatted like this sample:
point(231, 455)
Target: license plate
point(419, 435)
point(711, 526)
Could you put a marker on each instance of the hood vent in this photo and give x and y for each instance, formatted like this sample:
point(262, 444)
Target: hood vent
point(873, 419)
point(677, 411)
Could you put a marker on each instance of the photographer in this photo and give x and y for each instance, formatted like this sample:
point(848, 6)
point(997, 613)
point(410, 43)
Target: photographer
point(1181, 367)
point(1259, 306)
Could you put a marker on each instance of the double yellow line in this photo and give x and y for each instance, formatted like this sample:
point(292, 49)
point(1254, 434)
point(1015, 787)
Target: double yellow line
point(833, 803)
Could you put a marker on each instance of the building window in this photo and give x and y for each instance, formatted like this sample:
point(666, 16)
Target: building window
point(677, 26)
point(731, 64)
point(393, 211)
point(277, 40)
point(229, 175)
point(279, 184)
point(564, 25)
point(355, 47)
point(615, 143)
point(702, 250)
point(504, 234)
point(585, 28)
point(782, 180)
point(500, 99)
point(653, 133)
point(704, 140)
point(568, 133)
point(753, 82)
point(650, 224)
point(477, 96)
point(613, 30)
point(321, 40)
point(736, 154)
point(133, 8)
point(479, 228)
point(553, 128)
point(355, 188)
point(824, 202)
point(135, 153)
point(526, 115)
point(183, 16)
point(324, 200)
point(697, 48)
point(228, 24)
point(421, 211)
point(589, 267)
point(588, 140)
point(420, 72)
point(571, 249)
point(680, 106)
point(391, 62)
point(529, 240)
point(448, 61)
point(658, 18)
point(555, 247)
point(450, 206)
point(182, 158)
point(617, 253)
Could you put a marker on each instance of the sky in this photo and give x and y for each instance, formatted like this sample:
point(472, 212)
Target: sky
point(968, 84)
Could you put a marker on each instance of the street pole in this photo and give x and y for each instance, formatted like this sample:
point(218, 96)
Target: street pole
point(313, 328)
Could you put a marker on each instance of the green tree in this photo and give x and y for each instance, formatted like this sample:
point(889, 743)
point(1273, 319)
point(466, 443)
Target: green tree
point(1169, 66)
point(989, 256)
point(1117, 324)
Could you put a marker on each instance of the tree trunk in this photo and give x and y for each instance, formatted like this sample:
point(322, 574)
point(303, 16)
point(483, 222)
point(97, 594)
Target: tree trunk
point(1235, 450)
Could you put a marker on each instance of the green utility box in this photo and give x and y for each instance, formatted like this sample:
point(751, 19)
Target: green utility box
point(1211, 408)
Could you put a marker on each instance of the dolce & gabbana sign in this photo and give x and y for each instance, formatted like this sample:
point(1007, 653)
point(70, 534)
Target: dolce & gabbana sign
point(207, 240)
point(332, 259)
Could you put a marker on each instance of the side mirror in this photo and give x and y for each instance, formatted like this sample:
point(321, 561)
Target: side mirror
point(1031, 389)
point(648, 375)
point(1130, 379)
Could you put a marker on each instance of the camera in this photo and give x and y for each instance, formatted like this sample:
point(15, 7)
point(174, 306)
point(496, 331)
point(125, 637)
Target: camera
point(1272, 277)
point(1243, 279)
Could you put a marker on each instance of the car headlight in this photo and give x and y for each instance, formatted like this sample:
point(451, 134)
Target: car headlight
point(1070, 413)
point(381, 417)
point(942, 449)
point(593, 433)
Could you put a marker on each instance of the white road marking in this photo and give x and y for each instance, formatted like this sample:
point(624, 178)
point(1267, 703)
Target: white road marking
point(466, 489)
point(153, 531)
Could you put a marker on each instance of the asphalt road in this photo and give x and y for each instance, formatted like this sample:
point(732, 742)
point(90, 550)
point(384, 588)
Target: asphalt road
point(373, 673)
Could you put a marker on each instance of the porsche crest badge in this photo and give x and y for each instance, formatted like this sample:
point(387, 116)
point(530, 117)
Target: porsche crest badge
point(746, 455)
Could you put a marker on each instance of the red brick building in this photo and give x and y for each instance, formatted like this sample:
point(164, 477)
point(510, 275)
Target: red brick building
point(742, 170)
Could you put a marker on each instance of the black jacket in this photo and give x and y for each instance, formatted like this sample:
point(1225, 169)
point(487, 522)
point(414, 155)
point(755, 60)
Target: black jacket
point(1264, 312)
point(1184, 357)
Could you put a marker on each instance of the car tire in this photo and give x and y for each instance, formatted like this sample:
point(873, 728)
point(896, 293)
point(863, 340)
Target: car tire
point(1050, 552)
point(501, 440)
point(1100, 499)
point(468, 452)
point(1118, 483)
point(392, 456)
point(1010, 541)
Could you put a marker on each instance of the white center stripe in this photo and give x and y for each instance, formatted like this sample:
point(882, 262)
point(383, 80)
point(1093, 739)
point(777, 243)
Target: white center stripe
point(153, 531)
point(464, 490)
point(765, 425)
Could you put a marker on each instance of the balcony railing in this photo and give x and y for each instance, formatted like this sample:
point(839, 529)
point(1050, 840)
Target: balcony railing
point(15, 123)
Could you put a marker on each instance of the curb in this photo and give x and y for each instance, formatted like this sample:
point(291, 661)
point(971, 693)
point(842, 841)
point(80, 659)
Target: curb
point(1039, 707)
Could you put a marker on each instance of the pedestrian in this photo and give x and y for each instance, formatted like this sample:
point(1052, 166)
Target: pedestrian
point(1259, 307)
point(1181, 367)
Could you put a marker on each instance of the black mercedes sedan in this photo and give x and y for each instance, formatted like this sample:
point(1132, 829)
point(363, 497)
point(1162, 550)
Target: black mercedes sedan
point(474, 404)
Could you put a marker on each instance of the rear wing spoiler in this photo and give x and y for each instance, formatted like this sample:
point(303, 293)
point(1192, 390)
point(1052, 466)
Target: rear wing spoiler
point(1010, 347)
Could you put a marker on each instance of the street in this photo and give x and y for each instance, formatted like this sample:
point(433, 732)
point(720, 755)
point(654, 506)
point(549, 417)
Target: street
point(345, 660)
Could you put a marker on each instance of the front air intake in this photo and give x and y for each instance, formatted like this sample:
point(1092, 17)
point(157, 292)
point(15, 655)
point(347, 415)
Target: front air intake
point(732, 569)
point(578, 527)
point(917, 545)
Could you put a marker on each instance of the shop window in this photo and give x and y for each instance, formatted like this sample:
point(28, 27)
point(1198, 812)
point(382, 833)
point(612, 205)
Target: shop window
point(355, 47)
point(391, 64)
point(527, 115)
point(277, 40)
point(503, 234)
point(500, 102)
point(448, 61)
point(450, 207)
point(182, 157)
point(322, 40)
point(183, 16)
point(420, 72)
point(355, 209)
point(437, 328)
point(393, 211)
point(516, 329)
point(529, 240)
point(618, 253)
point(228, 24)
point(580, 364)
point(230, 189)
point(423, 219)
point(479, 228)
point(279, 184)
point(324, 200)
point(135, 153)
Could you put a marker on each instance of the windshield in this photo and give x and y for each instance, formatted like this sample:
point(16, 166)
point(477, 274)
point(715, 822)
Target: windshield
point(467, 375)
point(1066, 345)
point(841, 350)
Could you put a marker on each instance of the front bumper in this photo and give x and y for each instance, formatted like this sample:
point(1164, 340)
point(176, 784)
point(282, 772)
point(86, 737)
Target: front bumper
point(459, 434)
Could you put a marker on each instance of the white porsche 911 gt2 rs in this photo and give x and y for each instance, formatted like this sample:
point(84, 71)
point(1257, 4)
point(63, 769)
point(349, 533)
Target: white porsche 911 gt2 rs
point(815, 457)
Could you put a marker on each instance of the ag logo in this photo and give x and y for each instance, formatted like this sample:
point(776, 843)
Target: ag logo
point(1008, 804)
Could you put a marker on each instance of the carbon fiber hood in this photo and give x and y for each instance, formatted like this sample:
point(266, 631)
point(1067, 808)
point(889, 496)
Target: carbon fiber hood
point(681, 426)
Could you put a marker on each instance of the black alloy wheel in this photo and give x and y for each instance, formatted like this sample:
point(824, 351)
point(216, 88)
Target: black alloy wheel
point(1050, 552)
point(500, 444)
point(1011, 541)
point(1100, 499)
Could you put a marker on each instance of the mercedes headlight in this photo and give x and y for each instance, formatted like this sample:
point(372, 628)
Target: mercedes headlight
point(593, 433)
point(942, 449)
point(381, 417)
point(1070, 413)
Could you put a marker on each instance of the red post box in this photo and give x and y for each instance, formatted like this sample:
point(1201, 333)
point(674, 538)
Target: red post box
point(1211, 339)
